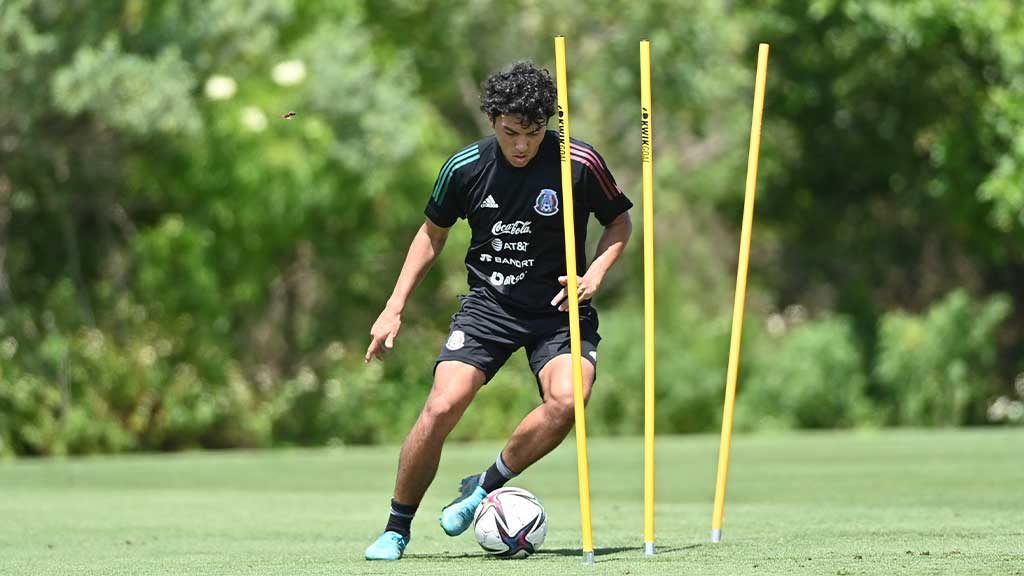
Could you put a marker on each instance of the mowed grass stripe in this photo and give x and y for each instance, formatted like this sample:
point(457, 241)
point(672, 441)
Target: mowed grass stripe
point(901, 502)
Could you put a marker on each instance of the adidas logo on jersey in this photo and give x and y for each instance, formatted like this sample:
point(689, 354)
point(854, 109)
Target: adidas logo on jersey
point(489, 202)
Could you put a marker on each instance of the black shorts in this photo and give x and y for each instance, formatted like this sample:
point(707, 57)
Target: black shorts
point(484, 333)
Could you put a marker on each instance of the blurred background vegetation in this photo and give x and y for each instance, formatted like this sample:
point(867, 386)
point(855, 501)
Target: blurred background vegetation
point(180, 267)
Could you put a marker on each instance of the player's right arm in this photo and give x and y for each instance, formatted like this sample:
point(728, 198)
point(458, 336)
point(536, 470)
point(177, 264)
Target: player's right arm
point(446, 205)
point(424, 250)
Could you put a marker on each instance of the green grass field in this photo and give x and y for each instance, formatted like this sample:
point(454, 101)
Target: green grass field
point(893, 502)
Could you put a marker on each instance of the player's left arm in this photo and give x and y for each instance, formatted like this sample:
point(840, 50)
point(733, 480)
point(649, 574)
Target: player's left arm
point(609, 247)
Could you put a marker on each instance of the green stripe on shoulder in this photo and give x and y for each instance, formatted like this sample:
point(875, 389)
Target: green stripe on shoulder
point(465, 156)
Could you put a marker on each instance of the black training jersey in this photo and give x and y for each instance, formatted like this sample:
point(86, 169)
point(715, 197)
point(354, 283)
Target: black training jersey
point(517, 251)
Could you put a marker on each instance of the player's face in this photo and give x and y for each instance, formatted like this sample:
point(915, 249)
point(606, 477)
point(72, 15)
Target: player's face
point(518, 143)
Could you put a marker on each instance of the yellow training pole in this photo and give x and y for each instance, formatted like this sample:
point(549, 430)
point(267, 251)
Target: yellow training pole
point(741, 294)
point(569, 226)
point(647, 159)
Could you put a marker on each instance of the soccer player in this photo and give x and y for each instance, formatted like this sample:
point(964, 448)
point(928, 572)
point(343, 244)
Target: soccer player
point(508, 187)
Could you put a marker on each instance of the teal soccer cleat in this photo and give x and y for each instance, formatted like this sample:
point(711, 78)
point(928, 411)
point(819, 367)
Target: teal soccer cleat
point(458, 515)
point(389, 546)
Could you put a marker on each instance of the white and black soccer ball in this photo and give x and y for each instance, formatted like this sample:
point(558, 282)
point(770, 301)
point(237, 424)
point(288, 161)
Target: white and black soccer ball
point(510, 523)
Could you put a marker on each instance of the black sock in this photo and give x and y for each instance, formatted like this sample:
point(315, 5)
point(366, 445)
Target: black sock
point(401, 518)
point(497, 475)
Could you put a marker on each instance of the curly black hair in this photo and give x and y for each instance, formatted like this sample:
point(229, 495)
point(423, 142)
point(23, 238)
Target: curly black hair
point(524, 89)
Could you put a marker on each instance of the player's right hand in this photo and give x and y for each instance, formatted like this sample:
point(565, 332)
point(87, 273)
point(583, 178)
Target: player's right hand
point(382, 335)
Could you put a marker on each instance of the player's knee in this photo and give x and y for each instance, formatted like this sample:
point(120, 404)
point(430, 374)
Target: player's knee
point(562, 408)
point(440, 408)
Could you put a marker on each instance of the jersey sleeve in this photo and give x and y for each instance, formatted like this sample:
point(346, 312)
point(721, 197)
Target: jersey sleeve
point(447, 200)
point(604, 197)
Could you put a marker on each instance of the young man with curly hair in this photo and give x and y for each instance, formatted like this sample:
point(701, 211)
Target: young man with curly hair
point(508, 187)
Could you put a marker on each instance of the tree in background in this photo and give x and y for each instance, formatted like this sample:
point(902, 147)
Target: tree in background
point(180, 266)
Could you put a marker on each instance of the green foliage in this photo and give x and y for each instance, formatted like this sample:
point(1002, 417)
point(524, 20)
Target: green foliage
point(690, 365)
point(807, 375)
point(180, 266)
point(28, 413)
point(938, 369)
point(86, 390)
point(129, 92)
point(347, 402)
point(175, 271)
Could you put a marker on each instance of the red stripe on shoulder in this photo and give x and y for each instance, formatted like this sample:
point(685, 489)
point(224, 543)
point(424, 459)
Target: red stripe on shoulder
point(592, 161)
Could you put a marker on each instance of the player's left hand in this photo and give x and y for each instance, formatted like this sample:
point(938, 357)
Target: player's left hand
point(586, 286)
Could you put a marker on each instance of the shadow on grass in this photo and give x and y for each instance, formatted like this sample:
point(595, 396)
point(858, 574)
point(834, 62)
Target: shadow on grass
point(610, 551)
point(601, 554)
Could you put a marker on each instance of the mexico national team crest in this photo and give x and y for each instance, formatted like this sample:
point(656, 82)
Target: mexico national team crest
point(456, 340)
point(547, 202)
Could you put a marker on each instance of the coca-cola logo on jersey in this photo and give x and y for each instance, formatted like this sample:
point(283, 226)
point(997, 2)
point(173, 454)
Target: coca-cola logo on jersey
point(513, 228)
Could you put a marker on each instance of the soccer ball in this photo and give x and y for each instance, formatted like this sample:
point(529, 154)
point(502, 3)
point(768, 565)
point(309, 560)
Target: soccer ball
point(510, 523)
